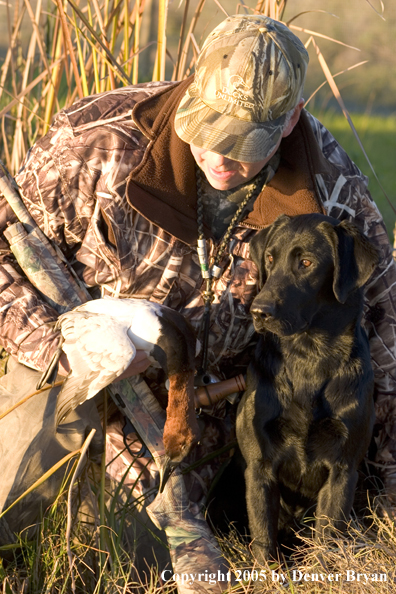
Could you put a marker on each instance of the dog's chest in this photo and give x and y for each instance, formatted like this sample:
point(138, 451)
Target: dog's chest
point(305, 429)
point(300, 385)
point(304, 411)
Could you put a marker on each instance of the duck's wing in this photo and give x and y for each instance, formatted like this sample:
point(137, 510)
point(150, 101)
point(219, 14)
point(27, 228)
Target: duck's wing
point(98, 350)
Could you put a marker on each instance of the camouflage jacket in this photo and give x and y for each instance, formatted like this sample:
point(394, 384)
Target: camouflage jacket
point(114, 187)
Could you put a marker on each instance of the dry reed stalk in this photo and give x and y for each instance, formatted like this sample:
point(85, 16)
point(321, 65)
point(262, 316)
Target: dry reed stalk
point(58, 61)
point(19, 146)
point(84, 83)
point(7, 61)
point(16, 100)
point(81, 461)
point(105, 40)
point(138, 12)
point(126, 35)
point(159, 66)
point(94, 54)
point(176, 74)
point(322, 36)
point(334, 76)
point(37, 88)
point(14, 47)
point(68, 43)
point(35, 22)
point(182, 71)
point(109, 58)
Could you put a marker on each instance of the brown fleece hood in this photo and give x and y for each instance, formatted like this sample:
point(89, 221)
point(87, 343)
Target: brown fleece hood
point(163, 187)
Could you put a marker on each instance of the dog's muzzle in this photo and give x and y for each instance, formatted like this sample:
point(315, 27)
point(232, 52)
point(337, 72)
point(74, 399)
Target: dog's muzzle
point(262, 315)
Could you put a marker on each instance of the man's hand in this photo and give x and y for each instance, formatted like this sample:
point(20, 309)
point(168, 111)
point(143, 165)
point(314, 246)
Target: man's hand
point(139, 364)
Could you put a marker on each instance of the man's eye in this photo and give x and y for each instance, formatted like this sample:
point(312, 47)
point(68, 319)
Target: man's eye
point(305, 263)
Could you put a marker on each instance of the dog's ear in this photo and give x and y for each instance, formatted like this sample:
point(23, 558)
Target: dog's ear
point(259, 243)
point(257, 248)
point(354, 256)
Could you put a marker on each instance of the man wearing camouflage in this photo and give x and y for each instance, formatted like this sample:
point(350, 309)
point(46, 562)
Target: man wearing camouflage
point(115, 183)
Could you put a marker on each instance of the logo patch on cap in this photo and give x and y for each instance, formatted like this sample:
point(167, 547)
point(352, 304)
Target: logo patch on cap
point(232, 92)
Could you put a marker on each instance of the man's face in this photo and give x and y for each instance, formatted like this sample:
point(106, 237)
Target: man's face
point(223, 173)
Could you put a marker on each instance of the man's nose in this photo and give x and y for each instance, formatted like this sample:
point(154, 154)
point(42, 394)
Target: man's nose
point(216, 160)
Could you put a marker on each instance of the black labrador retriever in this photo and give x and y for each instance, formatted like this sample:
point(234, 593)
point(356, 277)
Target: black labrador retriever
point(305, 421)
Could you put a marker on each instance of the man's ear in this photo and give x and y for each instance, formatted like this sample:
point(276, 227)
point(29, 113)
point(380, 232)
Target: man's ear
point(258, 244)
point(354, 256)
point(294, 119)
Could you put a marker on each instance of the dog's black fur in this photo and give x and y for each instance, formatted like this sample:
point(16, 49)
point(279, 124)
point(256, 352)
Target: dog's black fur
point(305, 421)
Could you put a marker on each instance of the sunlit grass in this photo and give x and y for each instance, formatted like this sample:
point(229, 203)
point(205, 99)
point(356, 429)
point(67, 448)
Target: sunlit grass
point(40, 565)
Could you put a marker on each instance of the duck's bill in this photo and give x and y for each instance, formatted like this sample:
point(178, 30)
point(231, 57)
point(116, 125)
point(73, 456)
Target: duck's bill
point(49, 375)
point(165, 472)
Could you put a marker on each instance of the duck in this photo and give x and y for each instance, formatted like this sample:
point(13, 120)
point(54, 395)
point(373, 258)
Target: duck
point(100, 339)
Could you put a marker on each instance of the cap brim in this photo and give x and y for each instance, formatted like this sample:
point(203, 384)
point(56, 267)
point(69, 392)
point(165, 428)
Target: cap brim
point(236, 139)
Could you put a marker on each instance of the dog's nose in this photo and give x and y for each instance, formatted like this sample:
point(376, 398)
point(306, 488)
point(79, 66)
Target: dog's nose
point(259, 312)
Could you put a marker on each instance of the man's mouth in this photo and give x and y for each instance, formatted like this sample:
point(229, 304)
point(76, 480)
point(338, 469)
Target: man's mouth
point(221, 175)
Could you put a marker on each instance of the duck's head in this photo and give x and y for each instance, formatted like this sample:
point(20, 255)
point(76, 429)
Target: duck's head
point(181, 431)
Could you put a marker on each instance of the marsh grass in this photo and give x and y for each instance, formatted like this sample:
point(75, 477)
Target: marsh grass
point(41, 565)
point(365, 550)
point(100, 555)
point(76, 48)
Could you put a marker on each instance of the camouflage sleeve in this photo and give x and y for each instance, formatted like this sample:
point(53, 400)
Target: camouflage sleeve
point(88, 148)
point(347, 197)
point(380, 303)
point(26, 320)
point(26, 331)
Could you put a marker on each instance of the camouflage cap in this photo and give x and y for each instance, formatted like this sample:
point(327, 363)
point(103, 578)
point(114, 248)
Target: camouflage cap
point(249, 74)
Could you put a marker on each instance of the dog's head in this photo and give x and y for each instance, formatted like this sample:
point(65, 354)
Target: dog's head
point(307, 263)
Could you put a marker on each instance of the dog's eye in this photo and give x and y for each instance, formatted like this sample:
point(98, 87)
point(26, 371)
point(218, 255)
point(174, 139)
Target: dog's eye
point(305, 263)
point(270, 258)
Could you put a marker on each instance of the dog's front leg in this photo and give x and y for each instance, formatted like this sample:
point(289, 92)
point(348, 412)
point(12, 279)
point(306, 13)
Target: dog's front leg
point(263, 501)
point(335, 499)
